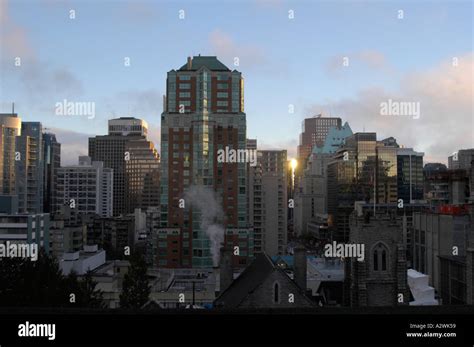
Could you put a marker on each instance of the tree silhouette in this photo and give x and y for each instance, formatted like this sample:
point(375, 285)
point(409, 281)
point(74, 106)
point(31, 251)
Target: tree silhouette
point(135, 289)
point(41, 283)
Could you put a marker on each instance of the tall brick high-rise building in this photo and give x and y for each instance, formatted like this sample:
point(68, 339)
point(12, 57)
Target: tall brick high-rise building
point(203, 112)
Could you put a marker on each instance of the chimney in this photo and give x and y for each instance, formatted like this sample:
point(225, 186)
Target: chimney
point(299, 267)
point(190, 63)
point(226, 268)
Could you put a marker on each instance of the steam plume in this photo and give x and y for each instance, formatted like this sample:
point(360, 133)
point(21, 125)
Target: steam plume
point(205, 201)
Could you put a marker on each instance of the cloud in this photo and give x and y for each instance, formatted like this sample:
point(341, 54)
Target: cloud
point(73, 144)
point(43, 82)
point(146, 103)
point(13, 37)
point(445, 96)
point(367, 59)
point(372, 59)
point(154, 132)
point(39, 79)
point(223, 46)
point(139, 12)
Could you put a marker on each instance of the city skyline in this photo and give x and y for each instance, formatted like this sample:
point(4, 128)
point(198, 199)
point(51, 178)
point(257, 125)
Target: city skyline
point(302, 163)
point(280, 74)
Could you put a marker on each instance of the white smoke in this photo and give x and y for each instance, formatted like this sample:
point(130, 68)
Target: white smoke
point(205, 201)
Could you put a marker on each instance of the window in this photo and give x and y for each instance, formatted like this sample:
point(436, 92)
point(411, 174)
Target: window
point(276, 293)
point(384, 260)
point(184, 86)
point(379, 256)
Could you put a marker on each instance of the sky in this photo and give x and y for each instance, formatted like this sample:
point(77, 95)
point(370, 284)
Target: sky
point(340, 58)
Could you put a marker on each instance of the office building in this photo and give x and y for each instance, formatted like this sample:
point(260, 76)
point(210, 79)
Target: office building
point(351, 173)
point(409, 175)
point(311, 199)
point(142, 175)
point(87, 188)
point(111, 150)
point(461, 159)
point(440, 238)
point(314, 133)
point(52, 162)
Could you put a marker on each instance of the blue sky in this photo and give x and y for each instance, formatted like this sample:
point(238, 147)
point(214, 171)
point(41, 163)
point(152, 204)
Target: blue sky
point(284, 61)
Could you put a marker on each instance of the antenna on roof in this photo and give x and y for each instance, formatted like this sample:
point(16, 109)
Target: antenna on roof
point(13, 108)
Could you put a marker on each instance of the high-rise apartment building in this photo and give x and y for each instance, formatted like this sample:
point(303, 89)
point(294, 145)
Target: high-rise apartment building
point(52, 162)
point(268, 186)
point(111, 150)
point(87, 188)
point(29, 168)
point(10, 128)
point(203, 113)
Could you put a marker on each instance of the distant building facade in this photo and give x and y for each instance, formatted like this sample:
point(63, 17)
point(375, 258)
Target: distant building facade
point(111, 150)
point(30, 168)
point(10, 128)
point(269, 203)
point(25, 228)
point(52, 163)
point(87, 188)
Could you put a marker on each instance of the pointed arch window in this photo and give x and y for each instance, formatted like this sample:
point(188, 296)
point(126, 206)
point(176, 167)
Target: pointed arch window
point(276, 293)
point(379, 257)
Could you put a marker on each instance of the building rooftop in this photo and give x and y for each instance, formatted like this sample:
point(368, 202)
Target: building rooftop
point(211, 62)
point(335, 137)
point(251, 278)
